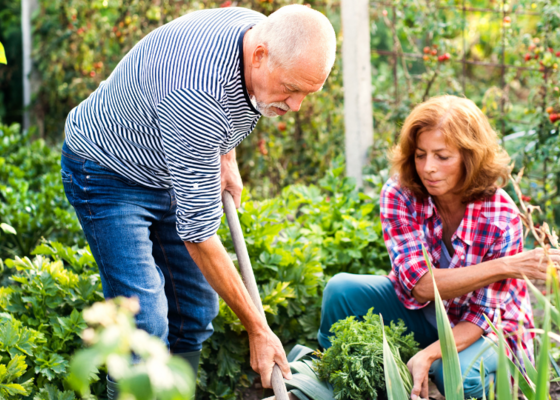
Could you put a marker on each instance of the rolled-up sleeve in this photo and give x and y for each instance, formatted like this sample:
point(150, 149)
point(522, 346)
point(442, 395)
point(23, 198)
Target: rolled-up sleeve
point(193, 125)
point(486, 300)
point(404, 238)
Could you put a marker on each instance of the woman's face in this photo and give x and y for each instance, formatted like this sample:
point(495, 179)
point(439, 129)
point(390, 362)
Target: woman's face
point(439, 165)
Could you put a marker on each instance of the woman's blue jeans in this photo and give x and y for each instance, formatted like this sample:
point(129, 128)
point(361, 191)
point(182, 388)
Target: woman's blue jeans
point(348, 294)
point(131, 230)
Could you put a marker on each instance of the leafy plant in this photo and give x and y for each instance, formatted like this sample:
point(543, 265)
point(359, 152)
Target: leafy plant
point(41, 318)
point(139, 362)
point(32, 200)
point(354, 364)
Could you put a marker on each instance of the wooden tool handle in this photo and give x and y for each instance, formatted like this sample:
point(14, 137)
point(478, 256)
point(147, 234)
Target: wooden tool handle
point(249, 279)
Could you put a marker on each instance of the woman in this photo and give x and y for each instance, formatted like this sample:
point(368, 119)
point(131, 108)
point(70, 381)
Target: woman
point(445, 194)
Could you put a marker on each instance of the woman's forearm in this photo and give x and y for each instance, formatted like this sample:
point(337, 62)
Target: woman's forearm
point(455, 282)
point(465, 333)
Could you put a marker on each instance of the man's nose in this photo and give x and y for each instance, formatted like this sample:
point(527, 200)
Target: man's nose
point(294, 101)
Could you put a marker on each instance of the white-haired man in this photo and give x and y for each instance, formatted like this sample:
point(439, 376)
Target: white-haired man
point(148, 154)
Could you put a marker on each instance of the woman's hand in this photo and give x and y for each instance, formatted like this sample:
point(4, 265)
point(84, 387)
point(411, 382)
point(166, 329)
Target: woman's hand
point(419, 366)
point(531, 264)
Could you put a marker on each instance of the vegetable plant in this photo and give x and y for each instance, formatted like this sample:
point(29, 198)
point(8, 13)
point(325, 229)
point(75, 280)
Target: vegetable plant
point(354, 364)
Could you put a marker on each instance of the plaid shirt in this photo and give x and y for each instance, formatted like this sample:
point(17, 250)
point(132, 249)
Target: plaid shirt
point(490, 229)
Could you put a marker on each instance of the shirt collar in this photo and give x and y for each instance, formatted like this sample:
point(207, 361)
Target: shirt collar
point(241, 66)
point(467, 229)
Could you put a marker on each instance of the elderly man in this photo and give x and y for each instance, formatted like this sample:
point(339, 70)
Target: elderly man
point(149, 152)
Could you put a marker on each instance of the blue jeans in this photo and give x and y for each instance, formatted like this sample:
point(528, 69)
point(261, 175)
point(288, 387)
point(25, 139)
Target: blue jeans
point(131, 230)
point(348, 294)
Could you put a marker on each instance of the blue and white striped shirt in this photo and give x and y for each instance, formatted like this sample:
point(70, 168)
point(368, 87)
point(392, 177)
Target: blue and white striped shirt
point(172, 106)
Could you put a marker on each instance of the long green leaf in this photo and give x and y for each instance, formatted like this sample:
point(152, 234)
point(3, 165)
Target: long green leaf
point(299, 394)
point(394, 384)
point(502, 374)
point(543, 301)
point(556, 290)
point(542, 359)
point(312, 388)
point(2, 55)
point(297, 352)
point(483, 378)
point(452, 379)
point(525, 385)
point(529, 367)
point(554, 365)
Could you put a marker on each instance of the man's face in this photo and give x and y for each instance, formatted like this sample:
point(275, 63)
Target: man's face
point(281, 90)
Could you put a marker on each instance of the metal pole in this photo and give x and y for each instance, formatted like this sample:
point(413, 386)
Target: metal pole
point(249, 279)
point(356, 63)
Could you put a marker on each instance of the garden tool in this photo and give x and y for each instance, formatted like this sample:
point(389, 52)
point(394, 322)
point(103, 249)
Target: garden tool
point(249, 279)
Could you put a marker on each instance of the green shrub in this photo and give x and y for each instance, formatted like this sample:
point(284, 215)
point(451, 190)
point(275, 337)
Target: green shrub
point(41, 319)
point(32, 198)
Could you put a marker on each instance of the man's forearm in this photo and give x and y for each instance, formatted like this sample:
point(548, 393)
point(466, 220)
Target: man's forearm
point(229, 156)
point(456, 282)
point(218, 269)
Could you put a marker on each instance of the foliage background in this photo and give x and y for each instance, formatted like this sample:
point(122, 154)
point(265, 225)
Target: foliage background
point(303, 221)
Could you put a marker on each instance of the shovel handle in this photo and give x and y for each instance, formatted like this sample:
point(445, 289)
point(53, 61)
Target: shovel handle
point(249, 279)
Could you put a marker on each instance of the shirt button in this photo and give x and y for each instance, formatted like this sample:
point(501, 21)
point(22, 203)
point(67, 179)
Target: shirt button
point(462, 257)
point(195, 186)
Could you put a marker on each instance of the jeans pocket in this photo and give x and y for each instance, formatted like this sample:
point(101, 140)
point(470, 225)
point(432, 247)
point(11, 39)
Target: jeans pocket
point(66, 176)
point(67, 183)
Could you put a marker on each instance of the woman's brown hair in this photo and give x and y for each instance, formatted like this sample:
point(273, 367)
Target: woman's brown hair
point(486, 164)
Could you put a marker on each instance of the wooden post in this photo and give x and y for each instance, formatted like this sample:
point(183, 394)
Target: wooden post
point(356, 63)
point(27, 8)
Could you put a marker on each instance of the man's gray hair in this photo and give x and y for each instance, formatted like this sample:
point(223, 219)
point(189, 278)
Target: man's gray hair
point(294, 30)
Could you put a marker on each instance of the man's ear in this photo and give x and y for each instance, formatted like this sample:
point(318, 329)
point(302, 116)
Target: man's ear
point(260, 55)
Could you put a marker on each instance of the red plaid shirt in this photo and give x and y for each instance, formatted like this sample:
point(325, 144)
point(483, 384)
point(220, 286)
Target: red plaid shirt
point(489, 230)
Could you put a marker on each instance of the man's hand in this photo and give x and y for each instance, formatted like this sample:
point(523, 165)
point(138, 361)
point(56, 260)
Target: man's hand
point(267, 350)
point(218, 269)
point(419, 366)
point(231, 179)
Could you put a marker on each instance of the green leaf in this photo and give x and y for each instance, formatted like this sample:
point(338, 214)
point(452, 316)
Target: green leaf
point(297, 352)
point(50, 392)
point(83, 366)
point(556, 290)
point(502, 375)
point(483, 378)
point(138, 385)
point(544, 302)
point(5, 227)
point(453, 381)
point(524, 384)
point(2, 54)
point(393, 382)
point(299, 394)
point(10, 373)
point(542, 384)
point(312, 388)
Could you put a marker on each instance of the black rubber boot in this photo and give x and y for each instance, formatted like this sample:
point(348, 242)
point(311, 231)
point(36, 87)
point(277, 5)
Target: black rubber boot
point(112, 389)
point(193, 358)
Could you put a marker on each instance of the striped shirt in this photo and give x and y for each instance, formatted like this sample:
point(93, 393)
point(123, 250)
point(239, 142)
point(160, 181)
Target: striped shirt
point(172, 106)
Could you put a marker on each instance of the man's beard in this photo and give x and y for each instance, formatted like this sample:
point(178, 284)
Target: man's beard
point(266, 109)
